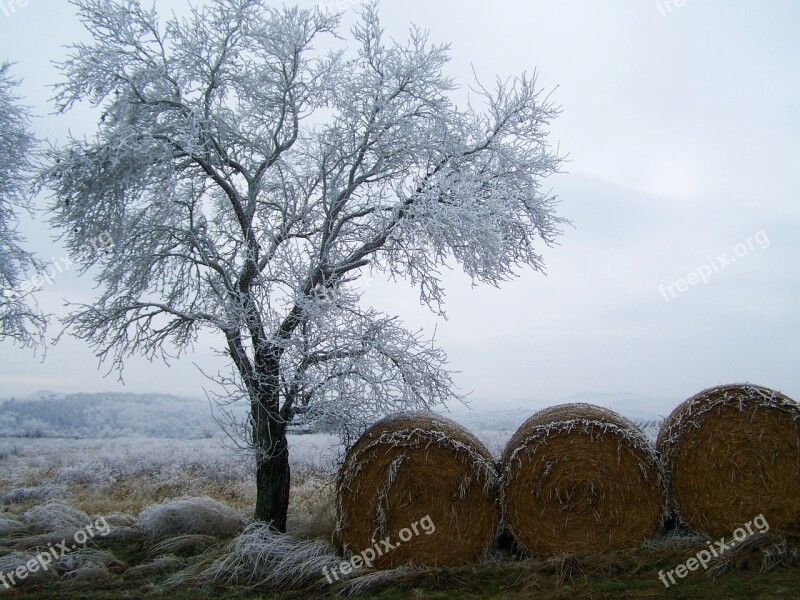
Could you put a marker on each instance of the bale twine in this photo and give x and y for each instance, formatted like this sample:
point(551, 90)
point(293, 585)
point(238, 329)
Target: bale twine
point(577, 478)
point(732, 453)
point(408, 467)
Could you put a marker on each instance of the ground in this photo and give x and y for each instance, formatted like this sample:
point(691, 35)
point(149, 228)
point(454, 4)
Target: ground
point(126, 475)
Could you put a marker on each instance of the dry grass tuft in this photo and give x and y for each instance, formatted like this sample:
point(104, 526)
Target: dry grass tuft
point(406, 577)
point(82, 476)
point(760, 552)
point(181, 543)
point(732, 453)
point(133, 493)
point(117, 519)
point(161, 564)
point(411, 466)
point(578, 478)
point(10, 562)
point(190, 516)
point(10, 524)
point(55, 516)
point(123, 534)
point(25, 542)
point(90, 573)
point(37, 494)
point(84, 558)
point(674, 541)
point(566, 568)
point(782, 552)
point(261, 557)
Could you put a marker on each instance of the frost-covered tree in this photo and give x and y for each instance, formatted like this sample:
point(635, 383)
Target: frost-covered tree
point(20, 319)
point(250, 179)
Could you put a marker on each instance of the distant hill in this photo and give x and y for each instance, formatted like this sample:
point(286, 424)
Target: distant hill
point(645, 411)
point(99, 415)
point(106, 415)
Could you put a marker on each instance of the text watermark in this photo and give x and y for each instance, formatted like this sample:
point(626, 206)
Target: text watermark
point(366, 557)
point(9, 7)
point(45, 559)
point(715, 550)
point(714, 265)
point(665, 7)
point(335, 5)
point(58, 266)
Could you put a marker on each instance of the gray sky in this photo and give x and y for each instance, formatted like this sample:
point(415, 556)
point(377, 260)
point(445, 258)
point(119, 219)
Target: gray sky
point(682, 123)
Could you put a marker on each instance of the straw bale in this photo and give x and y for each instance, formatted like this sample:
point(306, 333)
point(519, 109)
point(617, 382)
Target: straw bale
point(578, 478)
point(732, 453)
point(408, 467)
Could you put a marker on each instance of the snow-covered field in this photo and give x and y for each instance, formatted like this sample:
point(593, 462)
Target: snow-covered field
point(86, 460)
point(119, 459)
point(127, 480)
point(127, 415)
point(128, 474)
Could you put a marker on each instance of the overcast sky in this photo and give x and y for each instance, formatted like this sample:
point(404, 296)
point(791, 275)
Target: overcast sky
point(682, 124)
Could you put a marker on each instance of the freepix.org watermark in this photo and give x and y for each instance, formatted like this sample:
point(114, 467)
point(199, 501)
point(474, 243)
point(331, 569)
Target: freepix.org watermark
point(715, 550)
point(714, 265)
point(58, 266)
point(336, 6)
point(665, 7)
point(9, 7)
point(43, 560)
point(366, 557)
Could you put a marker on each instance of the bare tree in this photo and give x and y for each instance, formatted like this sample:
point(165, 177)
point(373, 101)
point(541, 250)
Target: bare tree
point(20, 319)
point(249, 180)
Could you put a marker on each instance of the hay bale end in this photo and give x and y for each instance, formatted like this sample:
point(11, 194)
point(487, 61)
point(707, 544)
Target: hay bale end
point(732, 453)
point(410, 467)
point(578, 478)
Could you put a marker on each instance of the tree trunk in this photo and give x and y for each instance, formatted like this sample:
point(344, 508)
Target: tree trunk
point(272, 451)
point(272, 479)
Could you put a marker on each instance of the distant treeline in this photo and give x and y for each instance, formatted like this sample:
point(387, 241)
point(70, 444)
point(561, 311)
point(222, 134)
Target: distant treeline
point(107, 415)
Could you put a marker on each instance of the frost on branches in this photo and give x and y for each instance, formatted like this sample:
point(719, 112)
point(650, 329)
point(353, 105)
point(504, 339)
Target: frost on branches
point(249, 180)
point(20, 319)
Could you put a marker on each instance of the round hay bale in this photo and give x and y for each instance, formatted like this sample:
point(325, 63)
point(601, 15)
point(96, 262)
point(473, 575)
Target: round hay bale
point(577, 478)
point(732, 453)
point(424, 484)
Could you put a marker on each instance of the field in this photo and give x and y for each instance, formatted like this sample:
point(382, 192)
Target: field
point(118, 478)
